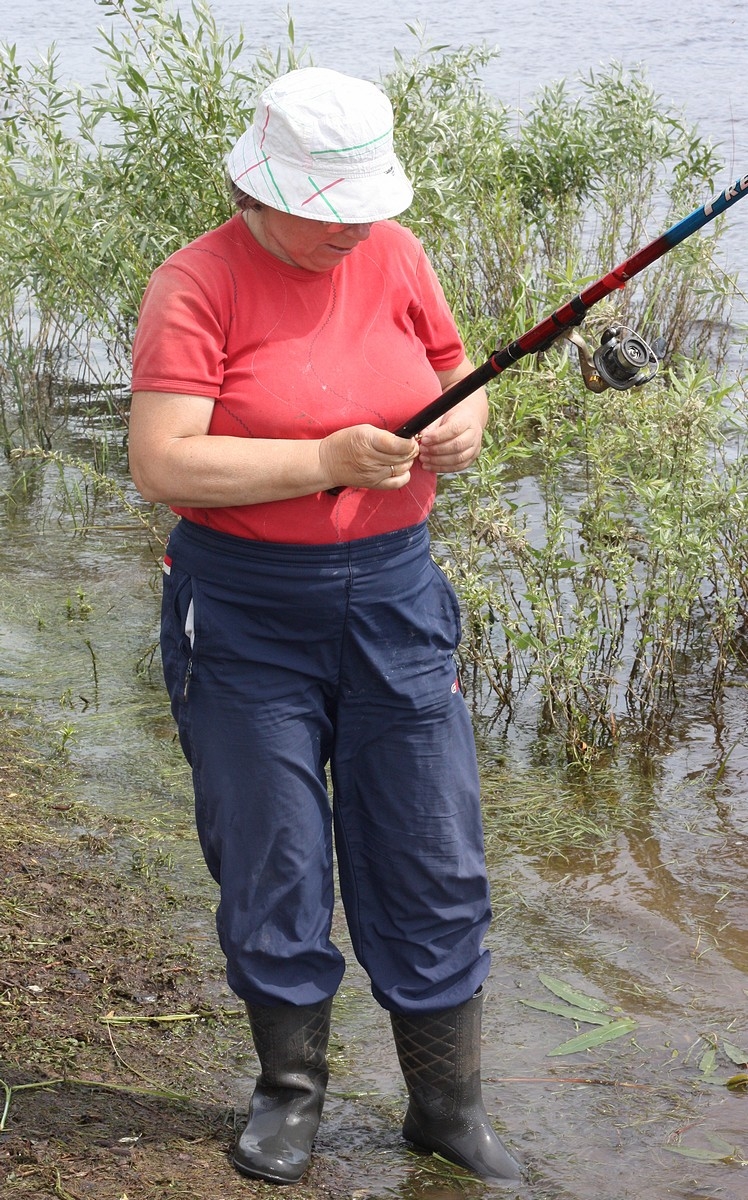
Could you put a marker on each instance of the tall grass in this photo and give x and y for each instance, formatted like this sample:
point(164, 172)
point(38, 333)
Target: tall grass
point(599, 545)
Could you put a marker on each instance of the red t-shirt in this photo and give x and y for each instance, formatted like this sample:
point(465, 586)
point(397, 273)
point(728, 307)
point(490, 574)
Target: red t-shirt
point(290, 353)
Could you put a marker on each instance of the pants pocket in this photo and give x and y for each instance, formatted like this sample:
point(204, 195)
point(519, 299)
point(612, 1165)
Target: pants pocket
point(178, 637)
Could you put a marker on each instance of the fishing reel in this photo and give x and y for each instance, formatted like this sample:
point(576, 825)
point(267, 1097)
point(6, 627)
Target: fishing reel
point(623, 359)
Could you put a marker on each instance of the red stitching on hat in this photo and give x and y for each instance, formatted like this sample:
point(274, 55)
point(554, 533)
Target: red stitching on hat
point(261, 162)
point(319, 191)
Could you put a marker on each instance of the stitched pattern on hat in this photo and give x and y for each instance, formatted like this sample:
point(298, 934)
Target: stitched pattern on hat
point(265, 162)
point(260, 163)
point(320, 192)
point(358, 146)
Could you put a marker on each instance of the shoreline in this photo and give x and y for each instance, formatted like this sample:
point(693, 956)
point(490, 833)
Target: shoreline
point(121, 1047)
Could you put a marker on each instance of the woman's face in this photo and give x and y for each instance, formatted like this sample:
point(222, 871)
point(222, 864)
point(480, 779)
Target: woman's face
point(313, 245)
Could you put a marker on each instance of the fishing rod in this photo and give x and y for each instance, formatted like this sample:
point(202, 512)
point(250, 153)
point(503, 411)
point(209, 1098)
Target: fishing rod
point(622, 361)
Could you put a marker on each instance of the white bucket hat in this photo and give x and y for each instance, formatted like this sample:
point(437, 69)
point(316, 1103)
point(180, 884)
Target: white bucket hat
point(321, 147)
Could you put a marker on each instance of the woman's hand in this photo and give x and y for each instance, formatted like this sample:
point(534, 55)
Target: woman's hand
point(454, 441)
point(174, 460)
point(453, 444)
point(366, 457)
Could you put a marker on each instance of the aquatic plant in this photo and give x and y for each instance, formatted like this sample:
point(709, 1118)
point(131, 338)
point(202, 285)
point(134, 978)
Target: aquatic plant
point(631, 586)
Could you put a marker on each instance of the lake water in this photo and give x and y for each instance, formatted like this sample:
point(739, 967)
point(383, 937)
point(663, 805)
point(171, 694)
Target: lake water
point(693, 54)
point(649, 915)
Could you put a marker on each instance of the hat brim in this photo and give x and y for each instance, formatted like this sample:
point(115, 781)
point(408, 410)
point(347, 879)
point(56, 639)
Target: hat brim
point(319, 195)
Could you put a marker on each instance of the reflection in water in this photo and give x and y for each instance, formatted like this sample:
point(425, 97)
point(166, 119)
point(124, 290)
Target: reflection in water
point(653, 920)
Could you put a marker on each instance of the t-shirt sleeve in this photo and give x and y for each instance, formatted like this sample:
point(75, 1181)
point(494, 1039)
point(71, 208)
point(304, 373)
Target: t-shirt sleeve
point(180, 343)
point(433, 320)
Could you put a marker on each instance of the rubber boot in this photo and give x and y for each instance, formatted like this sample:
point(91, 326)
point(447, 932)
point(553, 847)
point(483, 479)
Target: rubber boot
point(286, 1107)
point(440, 1059)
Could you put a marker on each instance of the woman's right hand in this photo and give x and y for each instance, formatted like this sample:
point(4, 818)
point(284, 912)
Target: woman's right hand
point(364, 456)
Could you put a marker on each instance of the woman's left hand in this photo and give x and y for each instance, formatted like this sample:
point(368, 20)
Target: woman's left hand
point(454, 442)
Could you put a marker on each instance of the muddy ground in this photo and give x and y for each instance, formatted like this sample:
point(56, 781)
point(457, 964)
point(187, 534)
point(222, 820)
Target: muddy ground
point(136, 1109)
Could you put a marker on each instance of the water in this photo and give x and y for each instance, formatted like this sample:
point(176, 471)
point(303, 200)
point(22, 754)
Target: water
point(648, 916)
point(693, 55)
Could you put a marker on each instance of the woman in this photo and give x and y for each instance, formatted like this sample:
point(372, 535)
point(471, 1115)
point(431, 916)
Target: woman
point(305, 626)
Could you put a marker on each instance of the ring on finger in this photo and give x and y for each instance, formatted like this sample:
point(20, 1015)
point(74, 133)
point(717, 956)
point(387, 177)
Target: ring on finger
point(393, 470)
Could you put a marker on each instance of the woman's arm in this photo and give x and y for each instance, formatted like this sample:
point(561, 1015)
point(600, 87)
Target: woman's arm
point(173, 459)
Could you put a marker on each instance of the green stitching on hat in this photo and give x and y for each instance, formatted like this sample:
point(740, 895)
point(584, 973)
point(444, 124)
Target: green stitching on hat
point(360, 146)
point(277, 190)
point(320, 192)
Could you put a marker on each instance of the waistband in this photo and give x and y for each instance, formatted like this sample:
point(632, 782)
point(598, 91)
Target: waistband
point(198, 550)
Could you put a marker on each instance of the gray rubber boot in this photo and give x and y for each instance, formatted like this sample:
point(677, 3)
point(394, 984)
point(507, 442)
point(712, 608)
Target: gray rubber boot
point(286, 1107)
point(440, 1059)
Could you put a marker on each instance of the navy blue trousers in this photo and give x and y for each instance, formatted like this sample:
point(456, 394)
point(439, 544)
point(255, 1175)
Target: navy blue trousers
point(292, 666)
